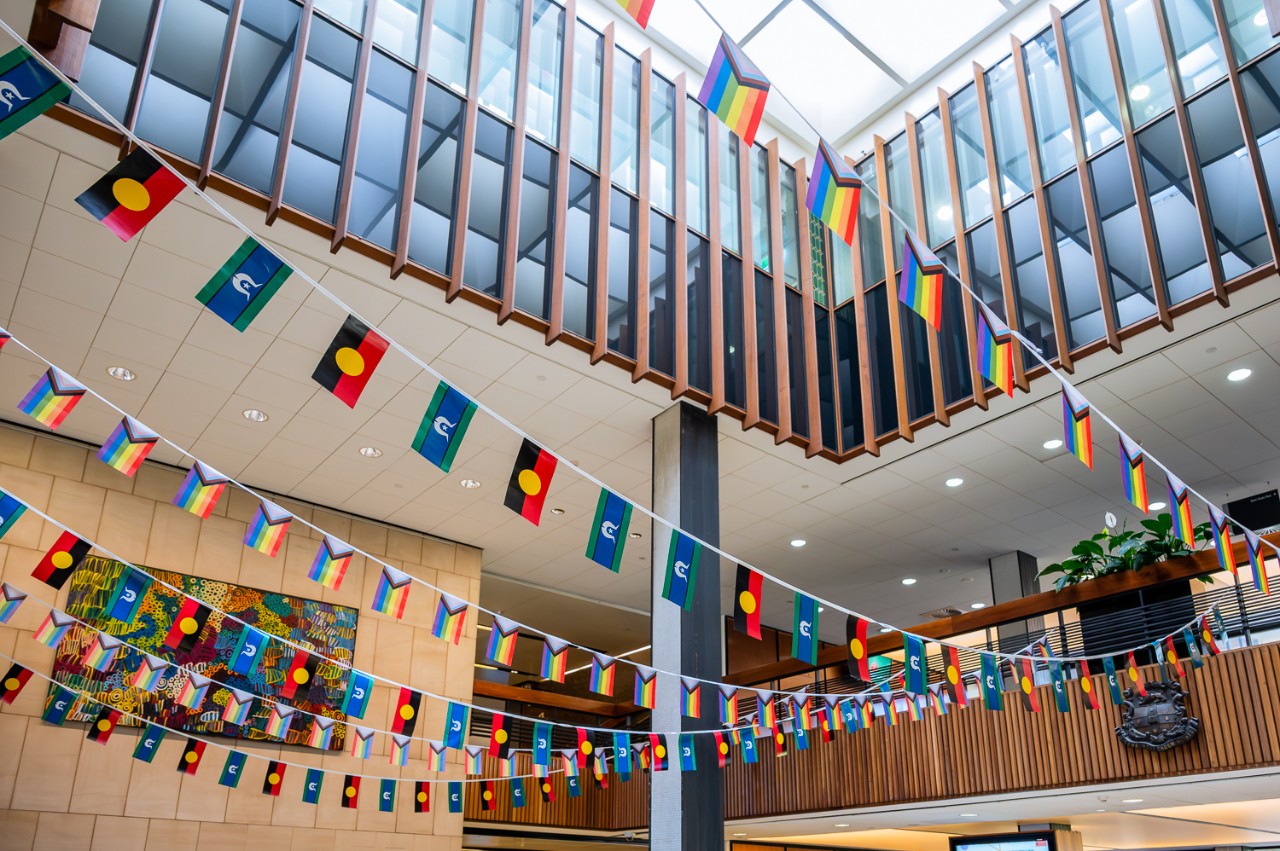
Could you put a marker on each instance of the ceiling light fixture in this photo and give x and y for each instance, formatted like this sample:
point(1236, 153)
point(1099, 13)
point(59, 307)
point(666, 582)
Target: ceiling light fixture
point(469, 484)
point(557, 511)
point(370, 451)
point(798, 542)
point(955, 482)
point(841, 824)
point(1053, 444)
point(909, 581)
point(1239, 374)
point(1140, 92)
point(1132, 801)
point(1156, 506)
point(968, 815)
point(121, 373)
point(977, 605)
point(633, 535)
point(254, 415)
point(885, 629)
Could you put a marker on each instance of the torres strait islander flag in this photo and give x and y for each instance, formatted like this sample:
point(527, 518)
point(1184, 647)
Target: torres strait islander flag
point(246, 282)
point(609, 530)
point(133, 193)
point(11, 508)
point(349, 363)
point(443, 426)
point(28, 89)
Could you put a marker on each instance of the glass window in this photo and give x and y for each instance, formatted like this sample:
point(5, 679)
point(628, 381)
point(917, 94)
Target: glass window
point(663, 254)
point(953, 342)
point(766, 350)
point(588, 68)
point(1228, 181)
point(435, 191)
point(730, 199)
point(626, 120)
point(971, 156)
point(347, 12)
point(111, 59)
point(1075, 262)
point(1261, 85)
point(939, 217)
point(499, 52)
point(1031, 280)
point(826, 379)
point(537, 211)
point(897, 160)
point(580, 254)
point(1122, 245)
point(1049, 105)
point(249, 133)
point(841, 269)
point(1091, 78)
point(1177, 224)
point(184, 70)
point(817, 256)
point(884, 402)
point(1248, 27)
point(396, 27)
point(482, 265)
point(796, 353)
point(449, 58)
point(761, 227)
point(320, 128)
point(869, 238)
point(1195, 43)
point(384, 129)
point(622, 270)
point(696, 166)
point(698, 298)
point(735, 353)
point(915, 354)
point(1009, 132)
point(849, 377)
point(546, 43)
point(790, 228)
point(984, 267)
point(662, 146)
point(1146, 74)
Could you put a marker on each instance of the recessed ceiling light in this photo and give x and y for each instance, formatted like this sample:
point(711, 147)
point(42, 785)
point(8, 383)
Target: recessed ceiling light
point(1239, 374)
point(1100, 810)
point(841, 824)
point(798, 542)
point(955, 482)
point(909, 581)
point(633, 535)
point(469, 484)
point(557, 511)
point(254, 415)
point(121, 373)
point(977, 605)
point(1053, 444)
point(1132, 801)
point(885, 629)
point(739, 834)
point(1140, 92)
point(968, 815)
point(370, 451)
point(1156, 506)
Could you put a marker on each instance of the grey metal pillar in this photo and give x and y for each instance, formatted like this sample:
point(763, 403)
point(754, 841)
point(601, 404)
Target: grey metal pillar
point(686, 811)
point(1013, 576)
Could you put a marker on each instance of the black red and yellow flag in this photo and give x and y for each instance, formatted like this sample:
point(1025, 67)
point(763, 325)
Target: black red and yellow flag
point(530, 480)
point(500, 737)
point(349, 363)
point(133, 193)
point(14, 680)
point(856, 646)
point(547, 789)
point(585, 747)
point(103, 725)
point(405, 721)
point(351, 792)
point(188, 623)
point(421, 796)
point(274, 780)
point(1087, 687)
point(953, 679)
point(189, 762)
point(746, 601)
point(488, 799)
point(779, 742)
point(1026, 683)
point(722, 748)
point(1135, 676)
point(660, 760)
point(301, 672)
point(61, 561)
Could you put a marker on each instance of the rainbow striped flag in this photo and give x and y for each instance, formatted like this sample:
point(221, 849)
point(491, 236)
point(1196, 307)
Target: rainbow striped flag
point(474, 759)
point(451, 617)
point(10, 600)
point(690, 698)
point(1133, 468)
point(435, 756)
point(239, 707)
point(995, 349)
point(330, 566)
point(768, 717)
point(728, 705)
point(1254, 545)
point(801, 712)
point(638, 9)
point(200, 490)
point(602, 670)
point(1077, 425)
point(101, 655)
point(194, 691)
point(52, 398)
point(392, 592)
point(279, 720)
point(1180, 507)
point(502, 641)
point(266, 531)
point(128, 446)
point(834, 190)
point(555, 658)
point(150, 672)
point(735, 90)
point(1222, 539)
point(400, 750)
point(920, 287)
point(362, 742)
point(53, 628)
point(321, 733)
point(646, 688)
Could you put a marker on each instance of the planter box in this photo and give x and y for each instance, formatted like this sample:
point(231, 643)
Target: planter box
point(1138, 617)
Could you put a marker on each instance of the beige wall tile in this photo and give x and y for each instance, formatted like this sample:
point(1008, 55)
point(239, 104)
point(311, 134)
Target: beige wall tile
point(200, 797)
point(223, 837)
point(62, 832)
point(126, 525)
point(18, 829)
point(165, 834)
point(174, 534)
point(13, 732)
point(58, 458)
point(154, 786)
point(102, 774)
point(47, 765)
point(314, 840)
point(97, 472)
point(219, 549)
point(111, 833)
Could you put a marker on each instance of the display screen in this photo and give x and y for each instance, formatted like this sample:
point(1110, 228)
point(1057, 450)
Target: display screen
point(1005, 842)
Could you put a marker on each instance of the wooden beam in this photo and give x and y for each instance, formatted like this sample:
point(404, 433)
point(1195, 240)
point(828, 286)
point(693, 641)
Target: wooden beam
point(552, 700)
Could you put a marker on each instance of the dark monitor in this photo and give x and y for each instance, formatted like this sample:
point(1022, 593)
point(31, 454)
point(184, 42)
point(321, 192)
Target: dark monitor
point(1005, 842)
point(1257, 513)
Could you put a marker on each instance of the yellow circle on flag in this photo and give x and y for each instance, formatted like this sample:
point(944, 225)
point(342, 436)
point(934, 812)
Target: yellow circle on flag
point(781, 738)
point(422, 797)
point(349, 361)
point(188, 626)
point(1207, 637)
point(11, 684)
point(301, 676)
point(529, 482)
point(273, 778)
point(500, 736)
point(104, 725)
point(724, 747)
point(191, 756)
point(1086, 685)
point(488, 796)
point(61, 560)
point(660, 752)
point(587, 747)
point(1026, 685)
point(953, 676)
point(351, 791)
point(1133, 674)
point(856, 648)
point(546, 787)
point(747, 602)
point(406, 712)
point(131, 194)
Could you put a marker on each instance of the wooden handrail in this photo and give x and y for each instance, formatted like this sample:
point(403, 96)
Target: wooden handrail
point(552, 700)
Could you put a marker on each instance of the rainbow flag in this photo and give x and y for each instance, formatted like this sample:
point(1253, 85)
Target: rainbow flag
point(502, 641)
point(400, 750)
point(10, 600)
point(690, 698)
point(330, 566)
point(1077, 425)
point(555, 658)
point(362, 743)
point(150, 672)
point(768, 717)
point(279, 720)
point(239, 707)
point(646, 687)
point(913, 707)
point(474, 760)
point(735, 90)
point(53, 628)
point(1254, 545)
point(194, 691)
point(868, 712)
point(200, 490)
point(321, 733)
point(1222, 539)
point(995, 349)
point(101, 655)
point(1133, 468)
point(602, 669)
point(638, 9)
point(392, 592)
point(728, 705)
point(435, 756)
point(920, 287)
point(834, 190)
point(52, 398)
point(451, 617)
point(266, 532)
point(1180, 507)
point(128, 446)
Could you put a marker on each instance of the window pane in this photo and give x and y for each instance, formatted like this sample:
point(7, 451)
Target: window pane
point(1262, 96)
point(897, 156)
point(984, 267)
point(971, 156)
point(622, 270)
point(580, 254)
point(1248, 27)
point(499, 48)
point(696, 165)
point(533, 254)
point(450, 55)
point(1177, 225)
point(884, 403)
point(761, 229)
point(1195, 43)
point(662, 146)
point(384, 128)
point(953, 344)
point(1049, 105)
point(1146, 74)
point(626, 119)
point(320, 129)
point(735, 353)
point(1091, 79)
point(790, 228)
point(698, 297)
point(817, 232)
point(1122, 244)
point(1010, 133)
point(1031, 280)
point(730, 200)
point(348, 12)
point(396, 27)
point(482, 266)
point(849, 378)
point(939, 218)
point(435, 190)
point(826, 380)
point(869, 238)
point(664, 253)
point(841, 268)
point(766, 350)
point(588, 67)
point(915, 354)
point(546, 43)
point(111, 59)
point(1075, 262)
point(796, 354)
point(249, 133)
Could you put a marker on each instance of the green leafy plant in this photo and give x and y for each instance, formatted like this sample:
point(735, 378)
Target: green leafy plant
point(1121, 551)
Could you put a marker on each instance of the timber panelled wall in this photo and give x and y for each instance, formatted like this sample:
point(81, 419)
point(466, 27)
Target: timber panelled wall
point(1113, 172)
point(968, 752)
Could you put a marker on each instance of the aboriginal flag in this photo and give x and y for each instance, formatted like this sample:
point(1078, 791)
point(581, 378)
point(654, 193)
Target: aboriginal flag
point(133, 193)
point(349, 363)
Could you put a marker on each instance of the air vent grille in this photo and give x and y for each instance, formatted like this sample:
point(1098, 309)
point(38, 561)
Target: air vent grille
point(944, 612)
